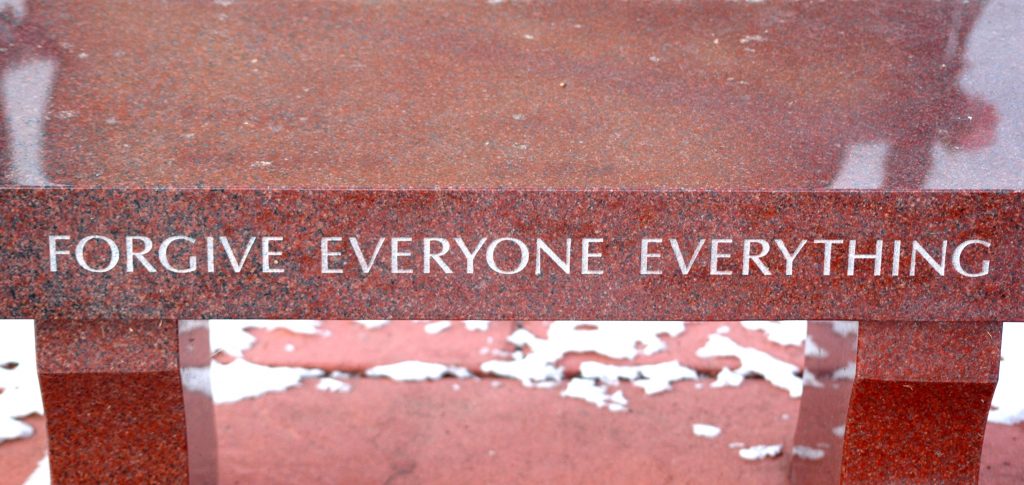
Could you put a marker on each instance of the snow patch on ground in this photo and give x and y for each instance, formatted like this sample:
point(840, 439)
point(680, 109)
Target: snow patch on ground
point(241, 379)
point(414, 370)
point(1008, 400)
point(752, 361)
point(617, 340)
point(652, 378)
point(13, 429)
point(844, 328)
point(20, 396)
point(373, 324)
point(811, 380)
point(596, 393)
point(814, 351)
point(536, 363)
point(41, 475)
point(330, 384)
point(477, 325)
point(531, 370)
point(760, 452)
point(232, 336)
point(434, 328)
point(727, 378)
point(783, 332)
point(846, 372)
point(706, 430)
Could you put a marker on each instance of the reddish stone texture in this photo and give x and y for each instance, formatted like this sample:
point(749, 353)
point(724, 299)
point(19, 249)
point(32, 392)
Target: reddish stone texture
point(345, 346)
point(920, 401)
point(707, 118)
point(695, 95)
point(113, 400)
point(620, 293)
point(307, 436)
point(431, 433)
point(684, 347)
point(262, 435)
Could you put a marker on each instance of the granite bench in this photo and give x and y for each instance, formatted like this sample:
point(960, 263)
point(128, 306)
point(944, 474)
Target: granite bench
point(436, 160)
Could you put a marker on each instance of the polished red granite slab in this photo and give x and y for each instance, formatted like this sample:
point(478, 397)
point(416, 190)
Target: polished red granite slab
point(737, 122)
point(301, 288)
point(642, 95)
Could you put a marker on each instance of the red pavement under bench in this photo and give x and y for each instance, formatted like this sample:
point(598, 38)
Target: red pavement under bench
point(431, 433)
point(725, 124)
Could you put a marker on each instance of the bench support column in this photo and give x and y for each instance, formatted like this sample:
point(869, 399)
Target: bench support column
point(920, 401)
point(114, 402)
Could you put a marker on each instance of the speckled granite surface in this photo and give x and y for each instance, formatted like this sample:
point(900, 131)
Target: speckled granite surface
point(642, 95)
point(696, 120)
point(924, 409)
point(621, 219)
point(113, 397)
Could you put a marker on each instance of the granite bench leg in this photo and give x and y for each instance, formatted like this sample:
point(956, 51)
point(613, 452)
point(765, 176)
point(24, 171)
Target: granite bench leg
point(920, 401)
point(114, 401)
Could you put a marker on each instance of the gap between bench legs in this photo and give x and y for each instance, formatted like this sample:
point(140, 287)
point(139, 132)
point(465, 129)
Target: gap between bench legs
point(114, 401)
point(920, 401)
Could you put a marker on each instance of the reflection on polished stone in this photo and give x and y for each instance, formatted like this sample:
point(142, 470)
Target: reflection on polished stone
point(799, 95)
point(830, 364)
